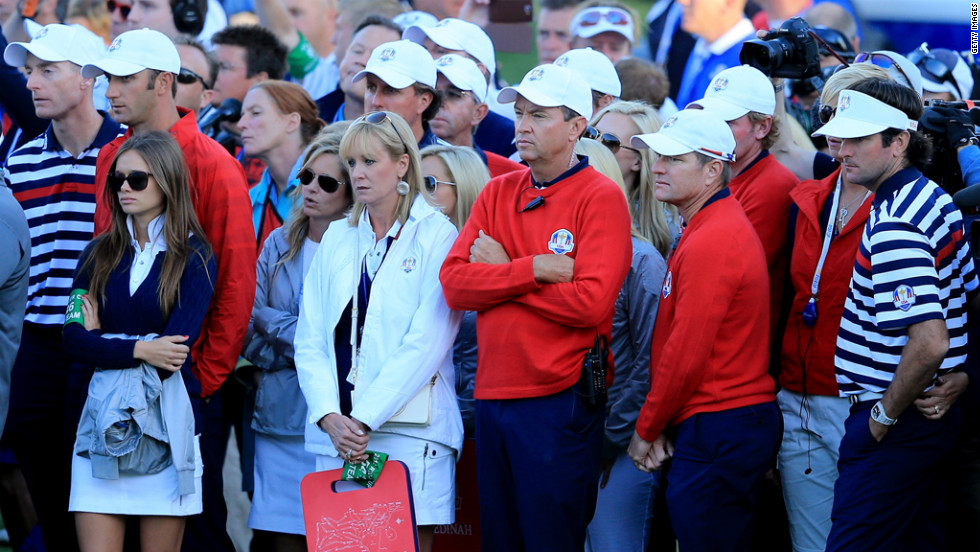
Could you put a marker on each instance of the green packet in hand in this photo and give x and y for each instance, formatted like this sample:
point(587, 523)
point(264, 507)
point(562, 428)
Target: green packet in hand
point(366, 473)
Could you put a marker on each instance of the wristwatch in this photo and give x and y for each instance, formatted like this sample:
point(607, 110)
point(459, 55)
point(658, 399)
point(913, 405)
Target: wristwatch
point(878, 415)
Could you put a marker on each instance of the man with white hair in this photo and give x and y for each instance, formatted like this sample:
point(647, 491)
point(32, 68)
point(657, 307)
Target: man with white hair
point(53, 178)
point(597, 70)
point(464, 91)
point(744, 98)
point(711, 405)
point(904, 327)
point(541, 259)
point(455, 36)
point(142, 67)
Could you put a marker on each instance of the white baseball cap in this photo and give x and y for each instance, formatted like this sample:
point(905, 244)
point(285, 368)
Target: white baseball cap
point(400, 64)
point(134, 51)
point(456, 34)
point(898, 66)
point(415, 17)
point(938, 77)
point(551, 86)
point(860, 115)
point(599, 19)
point(737, 91)
point(696, 130)
point(57, 42)
point(464, 74)
point(595, 68)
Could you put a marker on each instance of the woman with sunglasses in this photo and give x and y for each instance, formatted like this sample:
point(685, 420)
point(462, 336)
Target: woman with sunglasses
point(280, 413)
point(147, 284)
point(657, 222)
point(278, 120)
point(374, 338)
point(454, 176)
point(624, 506)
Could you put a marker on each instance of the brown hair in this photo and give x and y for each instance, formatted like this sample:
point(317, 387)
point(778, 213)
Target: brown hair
point(166, 162)
point(290, 97)
point(642, 81)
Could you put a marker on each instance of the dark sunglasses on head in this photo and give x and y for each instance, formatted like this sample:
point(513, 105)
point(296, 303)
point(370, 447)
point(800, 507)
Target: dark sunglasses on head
point(611, 141)
point(186, 76)
point(431, 184)
point(137, 180)
point(826, 113)
point(327, 183)
point(614, 16)
point(124, 9)
point(931, 66)
point(379, 117)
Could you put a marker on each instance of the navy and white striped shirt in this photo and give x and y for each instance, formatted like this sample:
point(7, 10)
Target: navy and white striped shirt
point(913, 265)
point(57, 193)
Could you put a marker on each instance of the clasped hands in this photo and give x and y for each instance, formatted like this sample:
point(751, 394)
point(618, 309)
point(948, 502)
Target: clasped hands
point(348, 435)
point(548, 269)
point(650, 456)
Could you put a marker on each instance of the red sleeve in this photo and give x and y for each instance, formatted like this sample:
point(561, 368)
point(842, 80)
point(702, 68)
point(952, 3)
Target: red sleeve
point(479, 286)
point(682, 343)
point(225, 213)
point(103, 217)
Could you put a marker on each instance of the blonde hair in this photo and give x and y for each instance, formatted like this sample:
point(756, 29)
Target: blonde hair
point(847, 77)
point(363, 135)
point(603, 160)
point(648, 213)
point(298, 225)
point(469, 174)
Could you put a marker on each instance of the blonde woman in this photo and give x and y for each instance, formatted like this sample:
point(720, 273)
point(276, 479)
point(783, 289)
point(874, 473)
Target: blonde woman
point(615, 124)
point(374, 330)
point(626, 495)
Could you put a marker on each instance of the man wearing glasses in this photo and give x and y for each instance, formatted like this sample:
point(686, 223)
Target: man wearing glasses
point(53, 178)
point(541, 259)
point(196, 78)
point(142, 67)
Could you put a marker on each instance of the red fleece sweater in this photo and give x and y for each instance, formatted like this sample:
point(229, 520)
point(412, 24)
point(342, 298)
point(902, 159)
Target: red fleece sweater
point(763, 191)
point(708, 353)
point(532, 336)
point(221, 203)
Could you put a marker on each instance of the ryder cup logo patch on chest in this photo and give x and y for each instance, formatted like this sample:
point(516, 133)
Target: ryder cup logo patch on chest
point(409, 264)
point(903, 297)
point(561, 242)
point(668, 282)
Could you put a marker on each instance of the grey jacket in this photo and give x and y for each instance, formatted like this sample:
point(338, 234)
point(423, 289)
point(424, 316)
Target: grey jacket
point(632, 334)
point(14, 273)
point(280, 408)
point(133, 423)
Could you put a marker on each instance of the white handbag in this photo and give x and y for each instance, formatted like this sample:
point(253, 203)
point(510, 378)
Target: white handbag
point(418, 410)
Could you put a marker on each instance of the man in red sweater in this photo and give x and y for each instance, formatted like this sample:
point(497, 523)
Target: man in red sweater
point(744, 97)
point(711, 405)
point(141, 66)
point(541, 259)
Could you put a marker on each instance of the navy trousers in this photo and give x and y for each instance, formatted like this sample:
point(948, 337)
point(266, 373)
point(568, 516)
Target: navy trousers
point(538, 471)
point(890, 495)
point(716, 475)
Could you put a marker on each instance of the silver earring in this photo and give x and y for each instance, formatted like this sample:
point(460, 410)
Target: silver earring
point(402, 188)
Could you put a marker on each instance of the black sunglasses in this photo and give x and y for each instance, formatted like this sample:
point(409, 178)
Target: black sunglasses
point(826, 113)
point(327, 183)
point(137, 180)
point(124, 9)
point(431, 184)
point(927, 62)
point(186, 76)
point(611, 141)
point(379, 117)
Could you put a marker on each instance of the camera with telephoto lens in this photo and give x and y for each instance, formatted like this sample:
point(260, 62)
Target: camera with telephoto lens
point(790, 51)
point(943, 167)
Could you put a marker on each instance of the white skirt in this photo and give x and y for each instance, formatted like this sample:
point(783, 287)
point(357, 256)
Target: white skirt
point(431, 467)
point(135, 495)
point(280, 464)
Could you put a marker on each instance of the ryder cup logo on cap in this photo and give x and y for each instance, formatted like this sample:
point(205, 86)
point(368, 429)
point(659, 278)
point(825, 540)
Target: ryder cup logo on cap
point(860, 115)
point(56, 42)
point(551, 86)
point(456, 34)
point(135, 51)
point(737, 91)
point(690, 130)
point(464, 74)
point(594, 67)
point(400, 64)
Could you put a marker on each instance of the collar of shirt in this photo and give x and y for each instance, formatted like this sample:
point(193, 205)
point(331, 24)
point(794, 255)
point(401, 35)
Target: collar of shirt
point(733, 36)
point(583, 161)
point(155, 231)
point(762, 155)
point(143, 258)
point(376, 252)
point(895, 182)
point(339, 115)
point(107, 133)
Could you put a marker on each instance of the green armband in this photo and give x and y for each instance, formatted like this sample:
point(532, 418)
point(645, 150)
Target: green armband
point(302, 59)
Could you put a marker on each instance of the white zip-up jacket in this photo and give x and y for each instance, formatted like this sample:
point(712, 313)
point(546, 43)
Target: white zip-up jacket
point(408, 329)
